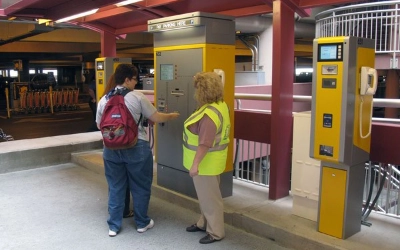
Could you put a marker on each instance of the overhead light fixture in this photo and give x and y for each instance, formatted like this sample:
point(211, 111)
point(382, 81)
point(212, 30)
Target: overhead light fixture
point(123, 3)
point(41, 21)
point(86, 13)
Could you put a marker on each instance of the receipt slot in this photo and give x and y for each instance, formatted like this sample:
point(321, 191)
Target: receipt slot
point(183, 46)
point(105, 67)
point(344, 82)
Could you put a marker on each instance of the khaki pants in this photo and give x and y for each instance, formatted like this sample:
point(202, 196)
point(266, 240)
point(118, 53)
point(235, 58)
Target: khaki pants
point(211, 205)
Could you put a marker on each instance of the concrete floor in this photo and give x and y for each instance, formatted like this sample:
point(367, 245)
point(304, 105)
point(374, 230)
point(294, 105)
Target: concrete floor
point(64, 206)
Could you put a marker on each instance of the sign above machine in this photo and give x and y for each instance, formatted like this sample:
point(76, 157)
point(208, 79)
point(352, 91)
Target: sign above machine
point(185, 21)
point(174, 25)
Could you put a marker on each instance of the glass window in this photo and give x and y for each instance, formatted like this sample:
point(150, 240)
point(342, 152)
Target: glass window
point(13, 73)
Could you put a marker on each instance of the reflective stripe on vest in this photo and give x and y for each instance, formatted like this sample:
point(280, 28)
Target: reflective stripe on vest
point(217, 140)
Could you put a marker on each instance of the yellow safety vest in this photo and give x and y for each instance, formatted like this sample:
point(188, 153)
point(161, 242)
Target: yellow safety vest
point(214, 162)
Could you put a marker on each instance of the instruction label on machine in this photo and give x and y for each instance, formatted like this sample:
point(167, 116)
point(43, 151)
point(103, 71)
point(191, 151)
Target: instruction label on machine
point(327, 122)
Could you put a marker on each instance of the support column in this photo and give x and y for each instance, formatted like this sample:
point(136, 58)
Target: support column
point(282, 100)
point(24, 74)
point(108, 45)
point(392, 92)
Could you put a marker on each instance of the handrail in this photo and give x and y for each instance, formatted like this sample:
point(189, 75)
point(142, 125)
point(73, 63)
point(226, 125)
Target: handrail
point(377, 102)
point(145, 92)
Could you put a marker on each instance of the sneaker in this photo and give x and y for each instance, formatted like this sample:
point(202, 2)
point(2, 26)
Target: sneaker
point(150, 225)
point(112, 233)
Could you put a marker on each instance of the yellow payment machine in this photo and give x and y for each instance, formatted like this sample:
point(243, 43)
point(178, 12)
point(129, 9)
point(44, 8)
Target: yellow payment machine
point(183, 46)
point(344, 82)
point(105, 67)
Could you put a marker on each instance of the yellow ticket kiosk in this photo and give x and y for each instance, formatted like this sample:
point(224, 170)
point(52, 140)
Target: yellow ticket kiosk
point(344, 82)
point(105, 67)
point(183, 46)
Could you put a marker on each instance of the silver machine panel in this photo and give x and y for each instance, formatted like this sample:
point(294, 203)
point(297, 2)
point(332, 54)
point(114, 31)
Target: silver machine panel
point(175, 95)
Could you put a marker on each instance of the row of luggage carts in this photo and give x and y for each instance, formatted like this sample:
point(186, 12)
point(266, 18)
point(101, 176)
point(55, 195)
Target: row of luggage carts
point(41, 101)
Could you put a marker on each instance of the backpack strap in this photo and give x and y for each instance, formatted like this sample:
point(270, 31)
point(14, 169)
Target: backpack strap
point(119, 91)
point(123, 91)
point(141, 116)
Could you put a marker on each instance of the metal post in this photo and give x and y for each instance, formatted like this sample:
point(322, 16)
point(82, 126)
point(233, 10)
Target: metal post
point(8, 104)
point(51, 98)
point(395, 45)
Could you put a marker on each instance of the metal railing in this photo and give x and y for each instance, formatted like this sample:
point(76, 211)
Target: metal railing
point(381, 189)
point(252, 162)
point(378, 20)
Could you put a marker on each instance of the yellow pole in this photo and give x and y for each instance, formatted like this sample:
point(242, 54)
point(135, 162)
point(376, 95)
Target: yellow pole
point(51, 98)
point(8, 104)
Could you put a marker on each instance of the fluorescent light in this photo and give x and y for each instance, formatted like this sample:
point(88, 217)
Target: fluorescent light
point(123, 3)
point(77, 16)
point(41, 21)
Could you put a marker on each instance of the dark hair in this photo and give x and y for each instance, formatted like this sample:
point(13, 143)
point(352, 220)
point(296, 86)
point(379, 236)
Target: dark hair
point(123, 71)
point(110, 85)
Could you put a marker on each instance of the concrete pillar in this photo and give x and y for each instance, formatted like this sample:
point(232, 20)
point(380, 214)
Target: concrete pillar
point(392, 92)
point(282, 100)
point(108, 44)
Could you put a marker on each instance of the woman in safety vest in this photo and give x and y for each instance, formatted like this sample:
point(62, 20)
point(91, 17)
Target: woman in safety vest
point(205, 148)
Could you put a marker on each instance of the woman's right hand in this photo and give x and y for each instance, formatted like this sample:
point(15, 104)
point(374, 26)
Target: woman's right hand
point(194, 170)
point(174, 115)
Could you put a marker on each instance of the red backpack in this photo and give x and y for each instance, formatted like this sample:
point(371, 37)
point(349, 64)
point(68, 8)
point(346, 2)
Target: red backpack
point(117, 124)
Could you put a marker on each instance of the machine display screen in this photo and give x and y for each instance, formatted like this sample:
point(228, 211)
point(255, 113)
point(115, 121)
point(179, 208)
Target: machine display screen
point(166, 72)
point(100, 65)
point(328, 52)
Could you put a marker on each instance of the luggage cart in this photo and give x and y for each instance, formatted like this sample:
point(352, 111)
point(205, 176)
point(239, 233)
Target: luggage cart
point(59, 100)
point(22, 102)
point(70, 99)
point(54, 96)
point(20, 105)
point(43, 102)
point(50, 99)
point(64, 99)
point(29, 102)
point(36, 102)
point(75, 99)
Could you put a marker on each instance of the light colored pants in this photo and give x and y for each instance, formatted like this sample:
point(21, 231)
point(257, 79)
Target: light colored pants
point(211, 205)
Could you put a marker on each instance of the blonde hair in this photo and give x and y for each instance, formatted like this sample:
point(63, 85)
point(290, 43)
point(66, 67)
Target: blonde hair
point(208, 88)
